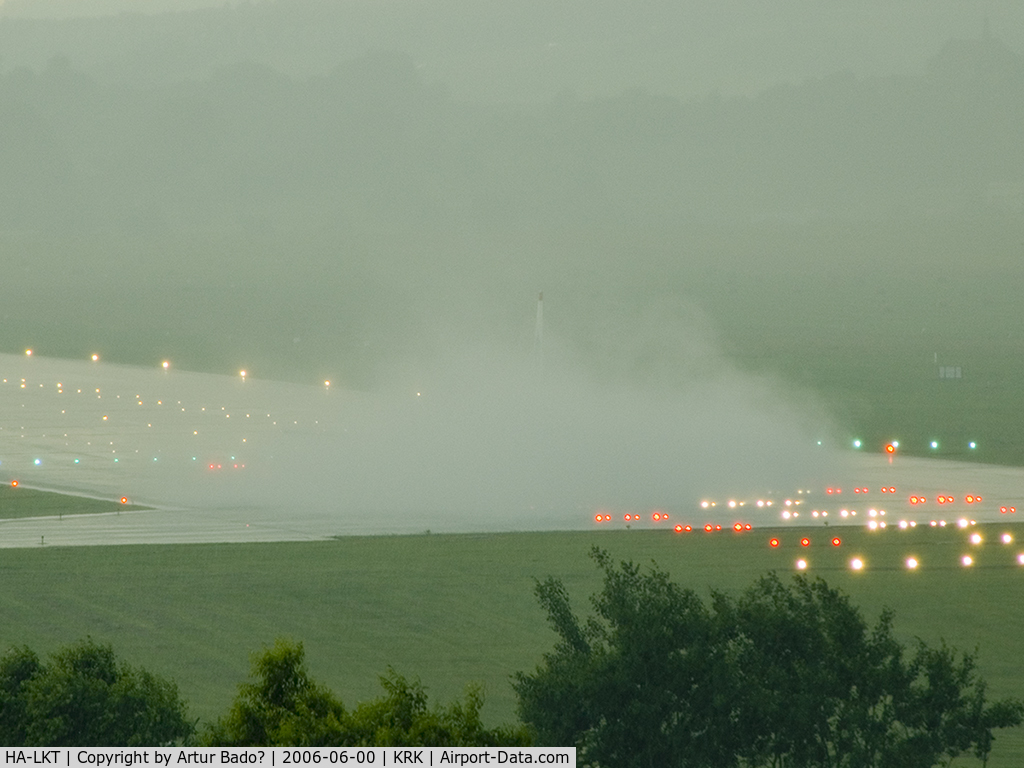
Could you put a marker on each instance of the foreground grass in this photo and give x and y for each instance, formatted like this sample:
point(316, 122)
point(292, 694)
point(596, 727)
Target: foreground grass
point(19, 501)
point(456, 608)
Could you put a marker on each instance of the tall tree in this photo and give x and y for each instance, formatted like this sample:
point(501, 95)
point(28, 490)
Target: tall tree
point(283, 706)
point(84, 696)
point(784, 674)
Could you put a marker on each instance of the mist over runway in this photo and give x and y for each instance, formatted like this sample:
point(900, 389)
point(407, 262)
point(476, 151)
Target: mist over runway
point(481, 443)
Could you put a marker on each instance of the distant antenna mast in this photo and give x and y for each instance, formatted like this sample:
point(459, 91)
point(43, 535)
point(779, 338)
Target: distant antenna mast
point(538, 333)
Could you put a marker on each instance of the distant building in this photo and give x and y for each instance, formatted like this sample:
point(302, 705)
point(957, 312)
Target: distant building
point(950, 372)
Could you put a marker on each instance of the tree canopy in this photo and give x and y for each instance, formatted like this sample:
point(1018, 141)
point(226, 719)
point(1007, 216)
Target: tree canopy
point(783, 674)
point(283, 706)
point(84, 696)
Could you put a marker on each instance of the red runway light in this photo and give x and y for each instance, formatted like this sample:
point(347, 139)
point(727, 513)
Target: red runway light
point(656, 516)
point(124, 499)
point(892, 489)
point(773, 543)
point(14, 483)
point(913, 499)
point(1012, 510)
point(856, 490)
point(679, 529)
point(828, 490)
point(969, 499)
point(636, 517)
point(709, 528)
point(599, 518)
point(626, 518)
point(1003, 510)
point(836, 541)
point(687, 528)
point(805, 542)
point(890, 448)
point(738, 527)
point(748, 527)
point(607, 517)
point(885, 490)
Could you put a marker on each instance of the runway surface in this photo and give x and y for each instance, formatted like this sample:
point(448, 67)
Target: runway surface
point(225, 460)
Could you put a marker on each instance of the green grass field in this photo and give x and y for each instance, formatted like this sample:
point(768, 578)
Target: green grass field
point(458, 608)
point(16, 502)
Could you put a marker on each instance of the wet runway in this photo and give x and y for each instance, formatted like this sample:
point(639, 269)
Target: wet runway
point(226, 460)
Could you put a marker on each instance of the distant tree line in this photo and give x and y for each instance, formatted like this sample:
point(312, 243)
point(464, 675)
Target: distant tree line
point(780, 675)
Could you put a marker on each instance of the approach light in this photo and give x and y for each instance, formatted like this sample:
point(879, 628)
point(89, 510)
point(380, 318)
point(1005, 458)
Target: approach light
point(857, 564)
point(856, 443)
point(975, 538)
point(1006, 538)
point(28, 353)
point(972, 445)
point(967, 561)
point(95, 358)
point(1020, 558)
point(911, 563)
point(934, 444)
point(801, 565)
point(165, 364)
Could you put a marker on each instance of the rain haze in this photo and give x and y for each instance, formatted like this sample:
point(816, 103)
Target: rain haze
point(762, 232)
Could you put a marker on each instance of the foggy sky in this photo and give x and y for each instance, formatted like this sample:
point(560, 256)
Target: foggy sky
point(530, 50)
point(355, 191)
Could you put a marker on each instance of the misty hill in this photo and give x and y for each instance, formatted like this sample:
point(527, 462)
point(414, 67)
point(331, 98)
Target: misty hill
point(372, 139)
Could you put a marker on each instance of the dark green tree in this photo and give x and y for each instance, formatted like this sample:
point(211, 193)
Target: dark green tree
point(83, 696)
point(285, 707)
point(17, 667)
point(643, 683)
point(402, 717)
point(282, 707)
point(782, 675)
